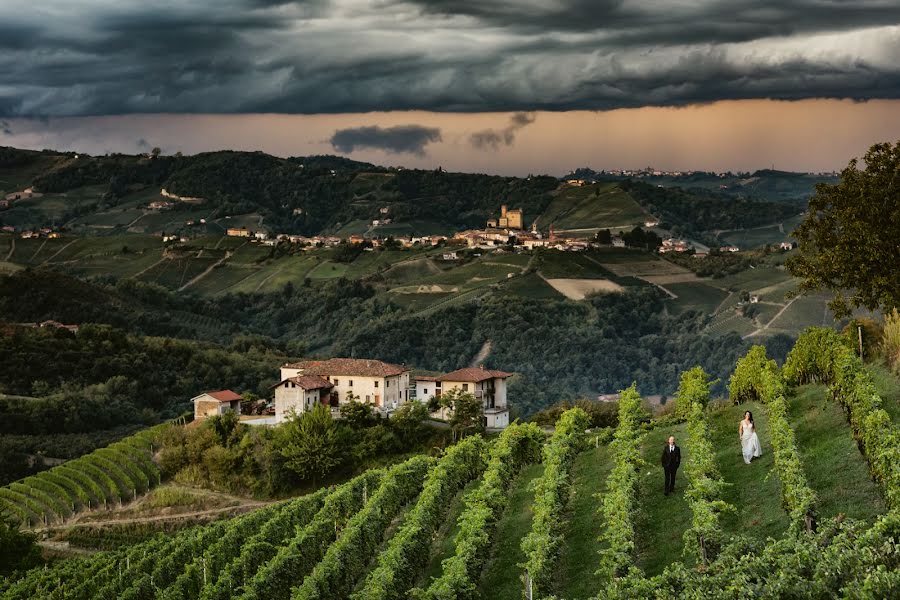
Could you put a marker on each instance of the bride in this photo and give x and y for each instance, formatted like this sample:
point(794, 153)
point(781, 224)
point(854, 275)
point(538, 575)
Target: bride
point(749, 440)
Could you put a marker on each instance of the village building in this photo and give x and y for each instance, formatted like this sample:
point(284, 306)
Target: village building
point(383, 385)
point(487, 385)
point(509, 219)
point(238, 232)
point(618, 242)
point(210, 404)
point(786, 246)
point(674, 245)
point(299, 394)
point(729, 249)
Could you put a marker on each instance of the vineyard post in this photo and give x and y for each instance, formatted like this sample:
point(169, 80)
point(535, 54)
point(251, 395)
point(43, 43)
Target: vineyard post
point(859, 332)
point(529, 592)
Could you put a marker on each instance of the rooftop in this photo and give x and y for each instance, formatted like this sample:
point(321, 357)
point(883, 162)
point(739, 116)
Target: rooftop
point(222, 396)
point(473, 374)
point(360, 367)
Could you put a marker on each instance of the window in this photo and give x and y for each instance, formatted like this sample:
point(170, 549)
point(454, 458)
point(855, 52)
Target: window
point(465, 387)
point(368, 397)
point(387, 383)
point(437, 384)
point(425, 392)
point(350, 383)
point(336, 382)
point(376, 383)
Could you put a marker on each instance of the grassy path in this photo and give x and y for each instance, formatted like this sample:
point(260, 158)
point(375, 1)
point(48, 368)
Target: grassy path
point(755, 489)
point(501, 576)
point(834, 466)
point(661, 520)
point(579, 557)
point(443, 547)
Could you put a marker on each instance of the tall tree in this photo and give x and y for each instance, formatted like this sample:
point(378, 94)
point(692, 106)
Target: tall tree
point(850, 240)
point(312, 444)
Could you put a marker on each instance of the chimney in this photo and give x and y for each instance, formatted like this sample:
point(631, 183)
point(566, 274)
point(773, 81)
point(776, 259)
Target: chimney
point(481, 366)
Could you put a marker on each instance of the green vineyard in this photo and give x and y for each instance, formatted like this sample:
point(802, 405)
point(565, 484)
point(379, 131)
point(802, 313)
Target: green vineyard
point(530, 514)
point(114, 474)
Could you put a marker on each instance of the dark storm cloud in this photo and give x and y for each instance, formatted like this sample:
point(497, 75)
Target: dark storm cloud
point(491, 139)
point(402, 139)
point(328, 56)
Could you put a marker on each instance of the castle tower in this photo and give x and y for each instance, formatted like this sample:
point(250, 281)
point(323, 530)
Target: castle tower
point(502, 211)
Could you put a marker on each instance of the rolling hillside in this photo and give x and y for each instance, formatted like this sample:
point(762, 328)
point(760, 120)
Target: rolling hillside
point(579, 512)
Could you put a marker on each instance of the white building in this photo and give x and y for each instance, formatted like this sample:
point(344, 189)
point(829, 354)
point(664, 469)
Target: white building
point(216, 403)
point(383, 385)
point(299, 394)
point(485, 384)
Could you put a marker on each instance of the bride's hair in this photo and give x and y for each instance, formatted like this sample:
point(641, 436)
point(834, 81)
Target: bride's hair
point(751, 416)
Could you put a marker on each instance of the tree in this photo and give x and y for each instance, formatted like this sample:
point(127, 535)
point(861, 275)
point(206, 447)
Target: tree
point(467, 409)
point(18, 550)
point(357, 414)
point(155, 152)
point(848, 241)
point(604, 237)
point(312, 444)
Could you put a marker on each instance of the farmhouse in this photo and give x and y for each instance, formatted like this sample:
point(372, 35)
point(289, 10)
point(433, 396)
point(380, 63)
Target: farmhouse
point(237, 232)
point(381, 384)
point(216, 403)
point(299, 394)
point(487, 385)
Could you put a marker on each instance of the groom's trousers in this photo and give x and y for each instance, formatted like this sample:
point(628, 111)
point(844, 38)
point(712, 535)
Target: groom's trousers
point(670, 479)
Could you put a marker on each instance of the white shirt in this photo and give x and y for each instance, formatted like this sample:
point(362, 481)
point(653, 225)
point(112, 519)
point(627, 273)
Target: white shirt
point(672, 448)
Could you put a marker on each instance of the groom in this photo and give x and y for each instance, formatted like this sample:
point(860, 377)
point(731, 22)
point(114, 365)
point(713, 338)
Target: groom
point(671, 458)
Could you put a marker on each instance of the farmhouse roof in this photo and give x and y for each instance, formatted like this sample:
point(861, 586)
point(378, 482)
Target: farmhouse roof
point(309, 382)
point(473, 374)
point(222, 396)
point(360, 367)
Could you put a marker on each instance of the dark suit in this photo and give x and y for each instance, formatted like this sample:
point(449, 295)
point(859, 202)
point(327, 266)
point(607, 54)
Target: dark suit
point(670, 462)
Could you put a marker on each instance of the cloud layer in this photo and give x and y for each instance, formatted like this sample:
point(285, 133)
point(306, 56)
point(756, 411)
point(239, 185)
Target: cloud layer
point(402, 139)
point(491, 139)
point(91, 57)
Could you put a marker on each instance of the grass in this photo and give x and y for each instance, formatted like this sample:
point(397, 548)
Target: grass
point(835, 468)
point(592, 206)
point(662, 520)
point(757, 280)
point(579, 557)
point(804, 312)
point(555, 264)
point(443, 546)
point(696, 296)
point(754, 490)
point(502, 575)
point(532, 286)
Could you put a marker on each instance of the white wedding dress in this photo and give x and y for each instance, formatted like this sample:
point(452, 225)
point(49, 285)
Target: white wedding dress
point(750, 443)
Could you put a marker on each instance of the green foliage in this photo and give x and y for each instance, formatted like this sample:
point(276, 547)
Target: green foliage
point(704, 539)
point(407, 552)
point(357, 414)
point(842, 559)
point(601, 414)
point(693, 389)
point(746, 382)
point(860, 211)
point(18, 550)
point(757, 378)
point(334, 576)
point(517, 445)
point(890, 343)
point(619, 501)
point(543, 544)
point(827, 357)
point(111, 473)
point(312, 444)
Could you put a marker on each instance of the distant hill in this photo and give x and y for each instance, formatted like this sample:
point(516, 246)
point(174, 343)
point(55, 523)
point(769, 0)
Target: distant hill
point(335, 195)
point(765, 184)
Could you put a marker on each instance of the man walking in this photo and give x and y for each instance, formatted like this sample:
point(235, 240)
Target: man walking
point(671, 459)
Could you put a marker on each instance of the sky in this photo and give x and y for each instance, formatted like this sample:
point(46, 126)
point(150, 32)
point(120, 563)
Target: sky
point(524, 86)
